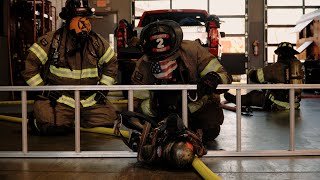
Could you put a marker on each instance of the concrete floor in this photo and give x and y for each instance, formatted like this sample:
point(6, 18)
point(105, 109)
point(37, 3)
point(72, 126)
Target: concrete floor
point(261, 131)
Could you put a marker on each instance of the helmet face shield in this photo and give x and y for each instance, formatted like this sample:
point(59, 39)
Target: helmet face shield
point(161, 39)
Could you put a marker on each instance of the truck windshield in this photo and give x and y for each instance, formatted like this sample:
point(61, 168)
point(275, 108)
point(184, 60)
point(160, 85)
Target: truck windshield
point(183, 18)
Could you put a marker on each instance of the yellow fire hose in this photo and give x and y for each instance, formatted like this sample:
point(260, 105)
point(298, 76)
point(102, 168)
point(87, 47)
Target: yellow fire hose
point(122, 101)
point(203, 170)
point(197, 164)
point(100, 130)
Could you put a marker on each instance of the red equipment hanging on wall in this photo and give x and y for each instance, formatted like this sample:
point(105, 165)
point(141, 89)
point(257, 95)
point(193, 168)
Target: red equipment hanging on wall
point(212, 26)
point(123, 33)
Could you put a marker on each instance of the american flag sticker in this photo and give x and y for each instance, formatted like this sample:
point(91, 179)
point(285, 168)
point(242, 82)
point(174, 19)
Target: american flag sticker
point(163, 69)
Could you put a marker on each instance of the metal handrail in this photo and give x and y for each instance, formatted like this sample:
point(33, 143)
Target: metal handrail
point(130, 89)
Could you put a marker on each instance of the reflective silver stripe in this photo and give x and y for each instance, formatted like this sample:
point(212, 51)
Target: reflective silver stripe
point(213, 65)
point(224, 78)
point(39, 52)
point(107, 56)
point(260, 75)
point(71, 102)
point(107, 80)
point(281, 103)
point(74, 74)
point(35, 80)
point(141, 94)
point(146, 109)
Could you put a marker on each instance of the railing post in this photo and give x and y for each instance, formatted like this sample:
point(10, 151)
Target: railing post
point(24, 122)
point(292, 119)
point(77, 120)
point(130, 100)
point(185, 107)
point(238, 106)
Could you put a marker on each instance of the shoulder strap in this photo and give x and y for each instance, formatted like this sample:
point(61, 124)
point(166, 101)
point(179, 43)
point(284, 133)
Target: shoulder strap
point(53, 55)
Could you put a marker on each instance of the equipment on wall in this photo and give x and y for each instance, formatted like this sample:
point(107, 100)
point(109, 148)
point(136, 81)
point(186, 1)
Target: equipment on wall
point(28, 20)
point(255, 47)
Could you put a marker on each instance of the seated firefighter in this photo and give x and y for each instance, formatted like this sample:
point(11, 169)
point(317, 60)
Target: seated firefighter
point(287, 70)
point(72, 55)
point(168, 59)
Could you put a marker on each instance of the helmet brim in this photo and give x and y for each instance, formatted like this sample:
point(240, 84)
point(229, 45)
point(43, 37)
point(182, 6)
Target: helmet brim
point(293, 51)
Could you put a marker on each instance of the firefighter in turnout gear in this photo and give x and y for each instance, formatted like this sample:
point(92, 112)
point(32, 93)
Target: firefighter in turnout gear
point(287, 70)
point(72, 55)
point(168, 59)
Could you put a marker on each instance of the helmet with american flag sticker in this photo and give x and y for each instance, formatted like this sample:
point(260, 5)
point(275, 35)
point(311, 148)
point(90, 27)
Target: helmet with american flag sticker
point(161, 39)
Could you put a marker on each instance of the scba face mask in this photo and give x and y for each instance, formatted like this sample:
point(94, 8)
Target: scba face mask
point(80, 27)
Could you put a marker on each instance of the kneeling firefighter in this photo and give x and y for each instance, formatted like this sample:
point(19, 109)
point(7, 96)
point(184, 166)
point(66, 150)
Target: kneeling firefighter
point(168, 141)
point(72, 55)
point(287, 70)
point(168, 59)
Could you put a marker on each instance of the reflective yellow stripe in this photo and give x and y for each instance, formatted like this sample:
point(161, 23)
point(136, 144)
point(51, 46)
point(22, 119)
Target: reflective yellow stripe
point(67, 101)
point(107, 56)
point(260, 75)
point(146, 109)
point(89, 101)
point(107, 80)
point(71, 102)
point(141, 94)
point(213, 65)
point(39, 52)
point(281, 103)
point(74, 74)
point(35, 80)
point(195, 106)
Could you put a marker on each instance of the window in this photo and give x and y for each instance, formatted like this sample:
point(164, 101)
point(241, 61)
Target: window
point(227, 7)
point(190, 4)
point(234, 22)
point(141, 6)
point(281, 18)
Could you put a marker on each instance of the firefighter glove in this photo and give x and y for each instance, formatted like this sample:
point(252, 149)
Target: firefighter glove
point(53, 97)
point(101, 96)
point(208, 84)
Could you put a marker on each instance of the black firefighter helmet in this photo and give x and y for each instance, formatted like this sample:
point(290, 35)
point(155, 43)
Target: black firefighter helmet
point(75, 8)
point(212, 20)
point(285, 48)
point(161, 39)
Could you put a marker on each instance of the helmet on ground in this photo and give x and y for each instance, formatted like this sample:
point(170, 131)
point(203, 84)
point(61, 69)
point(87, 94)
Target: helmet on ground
point(76, 8)
point(285, 48)
point(80, 26)
point(179, 154)
point(161, 39)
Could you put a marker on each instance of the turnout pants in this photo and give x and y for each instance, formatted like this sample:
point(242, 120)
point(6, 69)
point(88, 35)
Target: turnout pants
point(63, 116)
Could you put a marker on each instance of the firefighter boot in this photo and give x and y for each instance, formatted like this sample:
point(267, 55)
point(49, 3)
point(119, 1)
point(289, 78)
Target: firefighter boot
point(209, 136)
point(32, 125)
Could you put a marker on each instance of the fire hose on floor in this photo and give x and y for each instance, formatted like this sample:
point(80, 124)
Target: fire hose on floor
point(99, 130)
point(197, 164)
